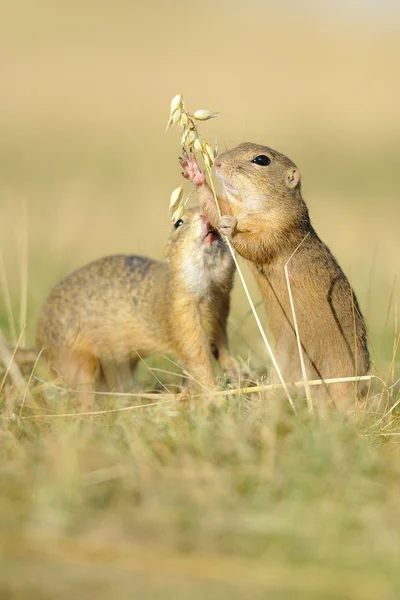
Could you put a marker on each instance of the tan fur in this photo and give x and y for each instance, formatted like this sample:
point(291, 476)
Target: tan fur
point(98, 321)
point(270, 220)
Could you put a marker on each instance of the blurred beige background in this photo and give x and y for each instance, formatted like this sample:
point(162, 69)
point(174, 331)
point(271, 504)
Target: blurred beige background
point(85, 166)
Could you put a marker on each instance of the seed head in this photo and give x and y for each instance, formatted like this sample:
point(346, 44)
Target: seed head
point(176, 102)
point(188, 138)
point(197, 145)
point(207, 160)
point(184, 120)
point(208, 152)
point(176, 115)
point(176, 197)
point(184, 137)
point(175, 111)
point(204, 115)
point(191, 138)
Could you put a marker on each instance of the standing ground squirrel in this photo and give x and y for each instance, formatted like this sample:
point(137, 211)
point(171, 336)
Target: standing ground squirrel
point(266, 219)
point(99, 320)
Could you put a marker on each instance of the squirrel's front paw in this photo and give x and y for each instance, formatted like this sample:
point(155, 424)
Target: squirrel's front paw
point(191, 170)
point(227, 225)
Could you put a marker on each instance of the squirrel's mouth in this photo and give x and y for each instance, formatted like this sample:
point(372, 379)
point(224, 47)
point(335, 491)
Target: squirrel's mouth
point(211, 235)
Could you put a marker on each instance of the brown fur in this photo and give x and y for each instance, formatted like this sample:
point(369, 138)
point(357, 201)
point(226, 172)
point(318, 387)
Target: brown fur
point(270, 220)
point(99, 320)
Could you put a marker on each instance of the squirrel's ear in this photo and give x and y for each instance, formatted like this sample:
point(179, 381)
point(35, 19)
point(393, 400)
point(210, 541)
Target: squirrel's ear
point(292, 177)
point(166, 249)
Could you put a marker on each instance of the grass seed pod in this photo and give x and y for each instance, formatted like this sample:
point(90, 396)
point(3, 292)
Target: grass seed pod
point(176, 197)
point(176, 102)
point(207, 150)
point(191, 138)
point(184, 123)
point(204, 115)
point(176, 116)
point(197, 145)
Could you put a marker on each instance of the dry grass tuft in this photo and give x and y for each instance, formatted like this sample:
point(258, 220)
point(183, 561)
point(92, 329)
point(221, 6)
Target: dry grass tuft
point(226, 492)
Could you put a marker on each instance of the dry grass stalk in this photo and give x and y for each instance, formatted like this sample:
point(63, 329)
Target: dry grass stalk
point(301, 354)
point(95, 412)
point(191, 142)
point(22, 245)
point(167, 398)
point(28, 383)
point(152, 372)
point(7, 300)
point(12, 369)
point(297, 384)
point(261, 329)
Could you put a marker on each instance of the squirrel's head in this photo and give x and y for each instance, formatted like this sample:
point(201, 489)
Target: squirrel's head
point(197, 252)
point(194, 233)
point(257, 178)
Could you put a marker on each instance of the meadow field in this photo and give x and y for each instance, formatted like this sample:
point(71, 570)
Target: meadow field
point(225, 497)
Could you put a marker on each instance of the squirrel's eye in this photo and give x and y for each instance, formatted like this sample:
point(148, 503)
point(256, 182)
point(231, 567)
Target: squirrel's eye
point(262, 160)
point(178, 223)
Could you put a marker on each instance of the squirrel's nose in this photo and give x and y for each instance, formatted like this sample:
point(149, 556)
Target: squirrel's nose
point(217, 164)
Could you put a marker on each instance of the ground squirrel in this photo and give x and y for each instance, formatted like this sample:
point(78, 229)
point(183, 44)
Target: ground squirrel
point(266, 219)
point(98, 321)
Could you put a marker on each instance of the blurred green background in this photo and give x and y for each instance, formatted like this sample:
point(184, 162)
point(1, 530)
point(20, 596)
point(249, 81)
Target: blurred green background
point(85, 167)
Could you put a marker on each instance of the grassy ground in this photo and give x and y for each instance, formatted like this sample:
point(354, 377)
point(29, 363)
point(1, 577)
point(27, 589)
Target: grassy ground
point(231, 498)
point(236, 498)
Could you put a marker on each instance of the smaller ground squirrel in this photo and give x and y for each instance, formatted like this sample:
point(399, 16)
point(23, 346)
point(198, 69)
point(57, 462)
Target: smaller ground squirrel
point(266, 219)
point(99, 320)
